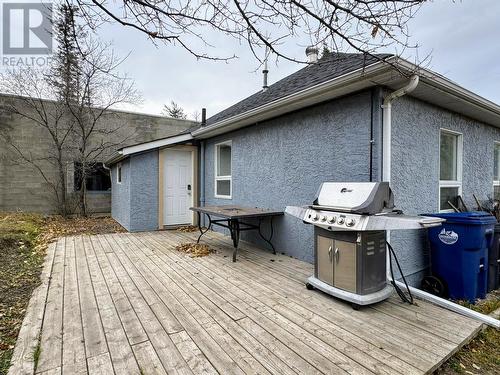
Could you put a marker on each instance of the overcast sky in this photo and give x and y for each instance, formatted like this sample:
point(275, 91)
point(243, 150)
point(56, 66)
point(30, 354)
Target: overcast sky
point(463, 38)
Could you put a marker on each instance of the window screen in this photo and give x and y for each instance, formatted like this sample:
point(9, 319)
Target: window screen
point(224, 160)
point(223, 178)
point(449, 157)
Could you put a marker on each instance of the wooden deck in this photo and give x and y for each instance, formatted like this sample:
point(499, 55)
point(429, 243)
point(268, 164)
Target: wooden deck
point(131, 304)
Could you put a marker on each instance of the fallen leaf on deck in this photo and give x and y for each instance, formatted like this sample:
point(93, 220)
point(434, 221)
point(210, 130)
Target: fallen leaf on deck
point(187, 228)
point(195, 249)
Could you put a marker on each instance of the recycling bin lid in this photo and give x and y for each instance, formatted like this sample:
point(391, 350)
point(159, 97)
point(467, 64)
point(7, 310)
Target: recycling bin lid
point(469, 218)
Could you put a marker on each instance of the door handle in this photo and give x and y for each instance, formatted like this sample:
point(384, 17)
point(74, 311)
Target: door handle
point(189, 187)
point(330, 253)
point(337, 255)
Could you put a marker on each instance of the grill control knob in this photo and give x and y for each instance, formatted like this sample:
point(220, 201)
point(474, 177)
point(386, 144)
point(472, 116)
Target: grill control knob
point(350, 222)
point(322, 218)
point(340, 221)
point(314, 216)
point(331, 219)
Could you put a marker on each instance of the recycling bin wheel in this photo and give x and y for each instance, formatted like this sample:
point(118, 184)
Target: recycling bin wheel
point(435, 285)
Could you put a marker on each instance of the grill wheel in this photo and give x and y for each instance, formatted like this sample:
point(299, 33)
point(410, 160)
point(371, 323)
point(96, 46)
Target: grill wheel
point(434, 285)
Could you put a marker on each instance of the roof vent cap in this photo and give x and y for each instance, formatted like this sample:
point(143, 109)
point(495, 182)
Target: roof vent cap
point(312, 54)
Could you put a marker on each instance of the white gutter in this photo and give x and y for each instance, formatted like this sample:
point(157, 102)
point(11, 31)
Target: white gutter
point(311, 95)
point(486, 319)
point(350, 82)
point(154, 144)
point(387, 125)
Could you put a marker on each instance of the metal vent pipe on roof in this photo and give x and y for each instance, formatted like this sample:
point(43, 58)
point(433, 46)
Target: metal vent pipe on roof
point(264, 77)
point(203, 116)
point(312, 55)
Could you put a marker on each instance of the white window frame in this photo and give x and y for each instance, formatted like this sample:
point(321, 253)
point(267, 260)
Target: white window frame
point(448, 183)
point(223, 178)
point(119, 173)
point(495, 182)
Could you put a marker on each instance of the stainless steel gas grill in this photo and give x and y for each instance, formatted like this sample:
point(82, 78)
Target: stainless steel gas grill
point(350, 222)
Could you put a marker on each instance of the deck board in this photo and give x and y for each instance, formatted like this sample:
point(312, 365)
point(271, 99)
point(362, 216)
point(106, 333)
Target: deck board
point(130, 303)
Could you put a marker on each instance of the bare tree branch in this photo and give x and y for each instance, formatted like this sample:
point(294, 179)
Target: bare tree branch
point(364, 26)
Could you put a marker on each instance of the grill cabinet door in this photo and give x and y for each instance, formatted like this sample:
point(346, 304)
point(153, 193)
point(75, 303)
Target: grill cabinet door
point(345, 265)
point(325, 259)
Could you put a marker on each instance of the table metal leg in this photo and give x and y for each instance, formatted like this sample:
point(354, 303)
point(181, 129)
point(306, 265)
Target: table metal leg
point(234, 228)
point(268, 240)
point(202, 232)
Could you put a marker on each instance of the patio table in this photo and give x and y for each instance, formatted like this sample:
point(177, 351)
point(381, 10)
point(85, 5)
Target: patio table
point(235, 218)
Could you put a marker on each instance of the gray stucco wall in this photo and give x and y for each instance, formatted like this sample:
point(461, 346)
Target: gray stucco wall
point(144, 191)
point(135, 201)
point(120, 194)
point(282, 162)
point(415, 169)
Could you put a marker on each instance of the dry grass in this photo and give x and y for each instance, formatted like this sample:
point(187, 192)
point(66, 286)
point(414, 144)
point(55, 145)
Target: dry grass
point(57, 226)
point(195, 250)
point(481, 355)
point(24, 239)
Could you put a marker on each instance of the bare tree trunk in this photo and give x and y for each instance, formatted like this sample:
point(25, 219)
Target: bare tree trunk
point(63, 209)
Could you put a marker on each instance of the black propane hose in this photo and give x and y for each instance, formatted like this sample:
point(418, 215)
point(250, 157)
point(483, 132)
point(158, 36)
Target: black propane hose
point(405, 298)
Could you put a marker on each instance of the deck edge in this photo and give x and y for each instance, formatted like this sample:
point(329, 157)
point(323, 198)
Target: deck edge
point(22, 361)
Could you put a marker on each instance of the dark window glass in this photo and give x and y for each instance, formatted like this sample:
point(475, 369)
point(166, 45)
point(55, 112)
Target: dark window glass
point(97, 177)
point(448, 194)
point(119, 172)
point(496, 192)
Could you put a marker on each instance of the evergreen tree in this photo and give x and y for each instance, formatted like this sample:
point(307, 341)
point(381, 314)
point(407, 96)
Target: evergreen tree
point(65, 69)
point(174, 110)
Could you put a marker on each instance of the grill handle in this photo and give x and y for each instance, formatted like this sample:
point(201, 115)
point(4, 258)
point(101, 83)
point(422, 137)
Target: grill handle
point(337, 255)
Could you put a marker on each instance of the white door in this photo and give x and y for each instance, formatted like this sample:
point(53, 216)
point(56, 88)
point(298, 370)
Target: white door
point(177, 187)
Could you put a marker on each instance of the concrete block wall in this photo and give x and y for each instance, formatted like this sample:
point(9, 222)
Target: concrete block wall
point(21, 186)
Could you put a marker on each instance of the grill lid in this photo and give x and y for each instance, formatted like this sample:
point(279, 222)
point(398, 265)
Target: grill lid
point(366, 198)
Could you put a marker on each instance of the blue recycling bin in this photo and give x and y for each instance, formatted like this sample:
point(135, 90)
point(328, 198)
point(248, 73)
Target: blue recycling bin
point(459, 253)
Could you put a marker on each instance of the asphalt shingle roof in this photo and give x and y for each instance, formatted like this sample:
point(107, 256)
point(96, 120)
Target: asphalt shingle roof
point(328, 67)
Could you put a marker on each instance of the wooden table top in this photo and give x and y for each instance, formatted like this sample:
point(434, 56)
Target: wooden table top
point(236, 212)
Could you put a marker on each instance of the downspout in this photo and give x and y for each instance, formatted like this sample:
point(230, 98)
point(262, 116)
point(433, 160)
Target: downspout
point(387, 119)
point(202, 160)
point(386, 173)
point(387, 140)
point(202, 173)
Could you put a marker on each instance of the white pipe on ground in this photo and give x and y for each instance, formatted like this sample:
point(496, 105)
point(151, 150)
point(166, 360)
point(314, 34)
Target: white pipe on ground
point(486, 319)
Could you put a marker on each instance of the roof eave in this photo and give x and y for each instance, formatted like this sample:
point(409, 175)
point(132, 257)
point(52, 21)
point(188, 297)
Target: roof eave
point(115, 159)
point(365, 77)
point(335, 87)
point(156, 144)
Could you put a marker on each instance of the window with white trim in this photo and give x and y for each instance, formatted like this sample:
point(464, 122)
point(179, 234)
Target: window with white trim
point(496, 170)
point(119, 173)
point(223, 183)
point(450, 169)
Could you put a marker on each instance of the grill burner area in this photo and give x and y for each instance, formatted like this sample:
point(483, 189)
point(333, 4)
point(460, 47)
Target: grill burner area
point(358, 206)
point(351, 220)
